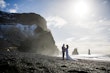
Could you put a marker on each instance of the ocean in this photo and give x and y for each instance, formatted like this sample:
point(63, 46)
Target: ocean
point(100, 57)
point(97, 57)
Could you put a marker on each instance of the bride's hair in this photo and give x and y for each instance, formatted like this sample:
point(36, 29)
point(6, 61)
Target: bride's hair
point(67, 46)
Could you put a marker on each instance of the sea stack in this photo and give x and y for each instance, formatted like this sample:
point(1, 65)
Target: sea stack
point(75, 52)
point(89, 52)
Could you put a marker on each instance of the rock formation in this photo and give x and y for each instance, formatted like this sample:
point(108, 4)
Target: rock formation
point(89, 52)
point(27, 32)
point(75, 52)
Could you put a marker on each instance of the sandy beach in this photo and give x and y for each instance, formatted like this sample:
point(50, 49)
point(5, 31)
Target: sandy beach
point(19, 62)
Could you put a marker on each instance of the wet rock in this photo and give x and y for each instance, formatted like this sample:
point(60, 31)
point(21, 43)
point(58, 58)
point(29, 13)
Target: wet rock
point(75, 71)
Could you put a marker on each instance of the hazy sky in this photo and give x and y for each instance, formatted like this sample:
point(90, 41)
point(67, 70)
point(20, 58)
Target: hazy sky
point(83, 24)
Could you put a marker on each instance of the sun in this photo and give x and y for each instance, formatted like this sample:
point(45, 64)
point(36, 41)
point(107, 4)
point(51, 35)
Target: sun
point(81, 8)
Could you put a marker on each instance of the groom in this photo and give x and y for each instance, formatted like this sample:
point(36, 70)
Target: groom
point(63, 51)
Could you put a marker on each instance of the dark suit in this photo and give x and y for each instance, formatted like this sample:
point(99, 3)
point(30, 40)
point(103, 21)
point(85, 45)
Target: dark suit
point(63, 52)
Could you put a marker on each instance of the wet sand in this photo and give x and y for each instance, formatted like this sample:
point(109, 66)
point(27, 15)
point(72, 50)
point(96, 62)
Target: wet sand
point(17, 62)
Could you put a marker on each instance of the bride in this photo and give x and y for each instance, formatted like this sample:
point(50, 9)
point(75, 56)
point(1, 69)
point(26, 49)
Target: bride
point(67, 54)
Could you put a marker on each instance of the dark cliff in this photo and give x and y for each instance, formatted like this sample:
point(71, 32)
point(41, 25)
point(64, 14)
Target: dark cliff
point(27, 32)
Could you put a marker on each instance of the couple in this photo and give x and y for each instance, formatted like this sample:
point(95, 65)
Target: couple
point(65, 49)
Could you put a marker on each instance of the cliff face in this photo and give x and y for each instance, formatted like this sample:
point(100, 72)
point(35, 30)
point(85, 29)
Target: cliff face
point(27, 32)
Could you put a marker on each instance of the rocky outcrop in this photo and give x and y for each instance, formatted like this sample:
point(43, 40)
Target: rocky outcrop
point(89, 52)
point(75, 52)
point(26, 31)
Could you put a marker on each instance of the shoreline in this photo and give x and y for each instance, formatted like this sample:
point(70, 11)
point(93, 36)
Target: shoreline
point(93, 57)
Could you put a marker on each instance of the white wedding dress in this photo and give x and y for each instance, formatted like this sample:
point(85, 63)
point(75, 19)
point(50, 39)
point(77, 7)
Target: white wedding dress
point(67, 55)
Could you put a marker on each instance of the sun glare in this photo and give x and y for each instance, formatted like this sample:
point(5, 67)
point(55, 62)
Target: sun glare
point(81, 9)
